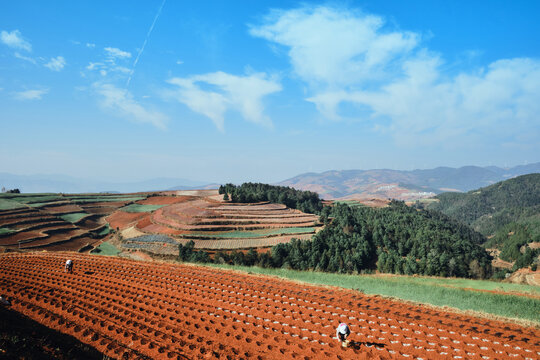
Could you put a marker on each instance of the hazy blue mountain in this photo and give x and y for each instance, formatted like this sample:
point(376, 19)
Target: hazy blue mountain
point(399, 184)
point(66, 184)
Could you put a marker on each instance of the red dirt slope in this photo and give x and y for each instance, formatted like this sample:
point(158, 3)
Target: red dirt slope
point(129, 309)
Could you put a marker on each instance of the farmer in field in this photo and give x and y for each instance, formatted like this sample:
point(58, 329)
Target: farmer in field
point(342, 332)
point(69, 266)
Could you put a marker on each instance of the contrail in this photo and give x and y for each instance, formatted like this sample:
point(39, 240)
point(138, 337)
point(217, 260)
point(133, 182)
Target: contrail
point(144, 44)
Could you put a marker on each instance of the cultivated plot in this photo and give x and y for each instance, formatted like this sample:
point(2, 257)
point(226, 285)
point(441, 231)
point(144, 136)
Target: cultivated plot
point(129, 309)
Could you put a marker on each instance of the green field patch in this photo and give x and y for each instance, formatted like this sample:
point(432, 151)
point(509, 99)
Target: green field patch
point(37, 199)
point(74, 217)
point(84, 200)
point(106, 248)
point(137, 208)
point(351, 203)
point(4, 230)
point(510, 306)
point(41, 204)
point(105, 231)
point(7, 204)
point(27, 195)
point(252, 233)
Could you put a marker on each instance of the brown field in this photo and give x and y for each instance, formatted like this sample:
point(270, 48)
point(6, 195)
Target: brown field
point(130, 309)
point(201, 216)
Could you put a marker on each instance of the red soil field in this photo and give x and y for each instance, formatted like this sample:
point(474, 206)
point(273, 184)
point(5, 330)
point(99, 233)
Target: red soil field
point(63, 209)
point(122, 219)
point(129, 309)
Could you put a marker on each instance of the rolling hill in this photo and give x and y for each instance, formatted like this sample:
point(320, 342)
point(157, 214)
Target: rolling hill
point(489, 208)
point(508, 213)
point(403, 185)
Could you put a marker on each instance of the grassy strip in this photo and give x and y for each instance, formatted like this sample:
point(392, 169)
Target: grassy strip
point(6, 204)
point(466, 284)
point(252, 234)
point(55, 202)
point(12, 195)
point(138, 208)
point(105, 199)
point(38, 199)
point(510, 306)
point(105, 231)
point(4, 230)
point(349, 202)
point(106, 248)
point(73, 218)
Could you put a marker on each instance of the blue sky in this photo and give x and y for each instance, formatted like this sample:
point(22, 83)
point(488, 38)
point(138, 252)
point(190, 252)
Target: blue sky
point(262, 91)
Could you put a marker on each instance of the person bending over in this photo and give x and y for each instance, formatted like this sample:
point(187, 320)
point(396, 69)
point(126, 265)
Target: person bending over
point(342, 332)
point(69, 266)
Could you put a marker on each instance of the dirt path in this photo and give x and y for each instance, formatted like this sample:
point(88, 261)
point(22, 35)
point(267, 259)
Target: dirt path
point(129, 309)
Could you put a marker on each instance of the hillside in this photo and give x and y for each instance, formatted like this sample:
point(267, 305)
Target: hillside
point(507, 212)
point(403, 185)
point(489, 208)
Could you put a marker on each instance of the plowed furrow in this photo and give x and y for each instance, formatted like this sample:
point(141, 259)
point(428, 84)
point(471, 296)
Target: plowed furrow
point(131, 309)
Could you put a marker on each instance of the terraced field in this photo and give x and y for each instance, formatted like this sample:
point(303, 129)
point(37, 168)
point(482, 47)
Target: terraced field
point(72, 222)
point(129, 309)
point(215, 225)
point(56, 221)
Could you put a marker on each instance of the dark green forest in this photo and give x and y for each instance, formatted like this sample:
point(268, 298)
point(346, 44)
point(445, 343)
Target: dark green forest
point(305, 201)
point(396, 239)
point(507, 212)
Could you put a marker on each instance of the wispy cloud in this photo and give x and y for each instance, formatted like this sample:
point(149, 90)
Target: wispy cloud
point(15, 40)
point(117, 53)
point(121, 102)
point(144, 43)
point(56, 64)
point(387, 77)
point(35, 94)
point(237, 93)
point(90, 45)
point(25, 58)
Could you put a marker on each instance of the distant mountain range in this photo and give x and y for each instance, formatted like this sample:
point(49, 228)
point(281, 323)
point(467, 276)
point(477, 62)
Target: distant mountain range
point(403, 185)
point(68, 184)
point(344, 184)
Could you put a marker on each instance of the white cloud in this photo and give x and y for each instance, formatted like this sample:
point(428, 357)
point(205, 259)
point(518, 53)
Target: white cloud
point(499, 101)
point(335, 47)
point(56, 64)
point(117, 53)
point(94, 66)
point(25, 58)
point(179, 62)
point(121, 102)
point(230, 92)
point(90, 45)
point(15, 40)
point(35, 94)
point(386, 77)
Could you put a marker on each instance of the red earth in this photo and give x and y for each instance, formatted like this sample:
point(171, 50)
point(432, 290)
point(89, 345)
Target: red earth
point(121, 219)
point(130, 309)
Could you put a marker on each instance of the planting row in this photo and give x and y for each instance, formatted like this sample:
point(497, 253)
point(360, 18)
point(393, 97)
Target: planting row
point(132, 309)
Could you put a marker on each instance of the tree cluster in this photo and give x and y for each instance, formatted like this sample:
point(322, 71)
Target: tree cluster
point(490, 208)
point(305, 201)
point(397, 239)
point(12, 191)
